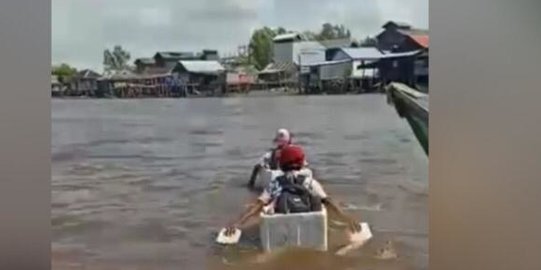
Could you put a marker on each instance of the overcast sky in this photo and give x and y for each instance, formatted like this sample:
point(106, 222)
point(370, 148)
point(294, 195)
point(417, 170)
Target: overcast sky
point(82, 29)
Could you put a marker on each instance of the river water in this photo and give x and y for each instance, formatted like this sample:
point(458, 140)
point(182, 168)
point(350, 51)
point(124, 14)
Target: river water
point(146, 184)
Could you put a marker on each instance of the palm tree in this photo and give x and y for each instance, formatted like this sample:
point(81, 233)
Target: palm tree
point(116, 60)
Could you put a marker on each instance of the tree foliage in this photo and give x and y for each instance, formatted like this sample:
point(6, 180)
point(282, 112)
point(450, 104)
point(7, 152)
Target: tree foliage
point(116, 60)
point(63, 72)
point(261, 46)
point(330, 31)
point(280, 31)
point(369, 42)
point(309, 35)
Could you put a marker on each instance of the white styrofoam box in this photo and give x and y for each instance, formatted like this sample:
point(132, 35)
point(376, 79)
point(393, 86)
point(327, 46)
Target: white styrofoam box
point(306, 230)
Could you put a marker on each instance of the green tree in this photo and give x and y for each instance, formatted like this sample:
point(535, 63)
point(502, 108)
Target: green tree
point(63, 72)
point(330, 31)
point(116, 60)
point(369, 42)
point(309, 35)
point(280, 31)
point(261, 46)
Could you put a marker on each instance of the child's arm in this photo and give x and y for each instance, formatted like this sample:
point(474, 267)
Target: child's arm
point(253, 210)
point(354, 225)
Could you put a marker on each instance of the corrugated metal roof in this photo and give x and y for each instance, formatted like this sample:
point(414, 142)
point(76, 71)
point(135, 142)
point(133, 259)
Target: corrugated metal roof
point(326, 63)
point(413, 31)
point(400, 25)
point(87, 74)
point(287, 36)
point(122, 74)
point(128, 75)
point(363, 53)
point(147, 61)
point(202, 66)
point(176, 55)
point(422, 40)
point(157, 71)
point(279, 67)
point(401, 54)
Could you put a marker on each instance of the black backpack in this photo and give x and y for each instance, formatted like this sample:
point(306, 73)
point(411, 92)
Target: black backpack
point(295, 197)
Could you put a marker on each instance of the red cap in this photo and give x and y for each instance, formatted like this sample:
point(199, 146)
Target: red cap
point(292, 156)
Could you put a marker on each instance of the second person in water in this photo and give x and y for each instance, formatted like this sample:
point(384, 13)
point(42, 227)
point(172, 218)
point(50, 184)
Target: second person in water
point(269, 161)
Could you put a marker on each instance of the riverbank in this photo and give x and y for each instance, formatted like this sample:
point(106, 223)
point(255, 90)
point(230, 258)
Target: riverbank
point(255, 93)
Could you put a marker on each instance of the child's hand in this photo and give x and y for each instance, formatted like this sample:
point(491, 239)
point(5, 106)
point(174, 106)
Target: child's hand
point(230, 229)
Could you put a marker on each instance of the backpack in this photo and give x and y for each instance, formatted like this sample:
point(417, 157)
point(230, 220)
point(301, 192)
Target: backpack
point(295, 197)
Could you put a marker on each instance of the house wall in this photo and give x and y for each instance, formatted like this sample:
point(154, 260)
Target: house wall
point(398, 70)
point(408, 44)
point(392, 39)
point(84, 85)
point(340, 55)
point(170, 64)
point(282, 52)
point(55, 87)
point(159, 61)
point(364, 72)
point(421, 67)
point(239, 78)
point(309, 52)
point(142, 68)
point(335, 71)
point(207, 55)
point(389, 38)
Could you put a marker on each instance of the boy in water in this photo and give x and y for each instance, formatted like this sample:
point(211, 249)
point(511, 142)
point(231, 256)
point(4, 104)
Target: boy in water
point(292, 163)
point(269, 161)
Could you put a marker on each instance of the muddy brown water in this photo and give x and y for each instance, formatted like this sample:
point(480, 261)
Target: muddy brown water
point(146, 184)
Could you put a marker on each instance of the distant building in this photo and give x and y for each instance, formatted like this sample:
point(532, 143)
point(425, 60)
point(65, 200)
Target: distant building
point(85, 83)
point(163, 62)
point(291, 48)
point(349, 69)
point(401, 67)
point(56, 86)
point(143, 65)
point(127, 84)
point(412, 68)
point(332, 46)
point(201, 75)
point(210, 55)
point(241, 79)
point(290, 53)
point(169, 60)
point(157, 73)
point(401, 37)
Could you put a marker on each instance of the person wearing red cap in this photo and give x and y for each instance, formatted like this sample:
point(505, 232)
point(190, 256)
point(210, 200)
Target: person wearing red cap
point(269, 160)
point(297, 178)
